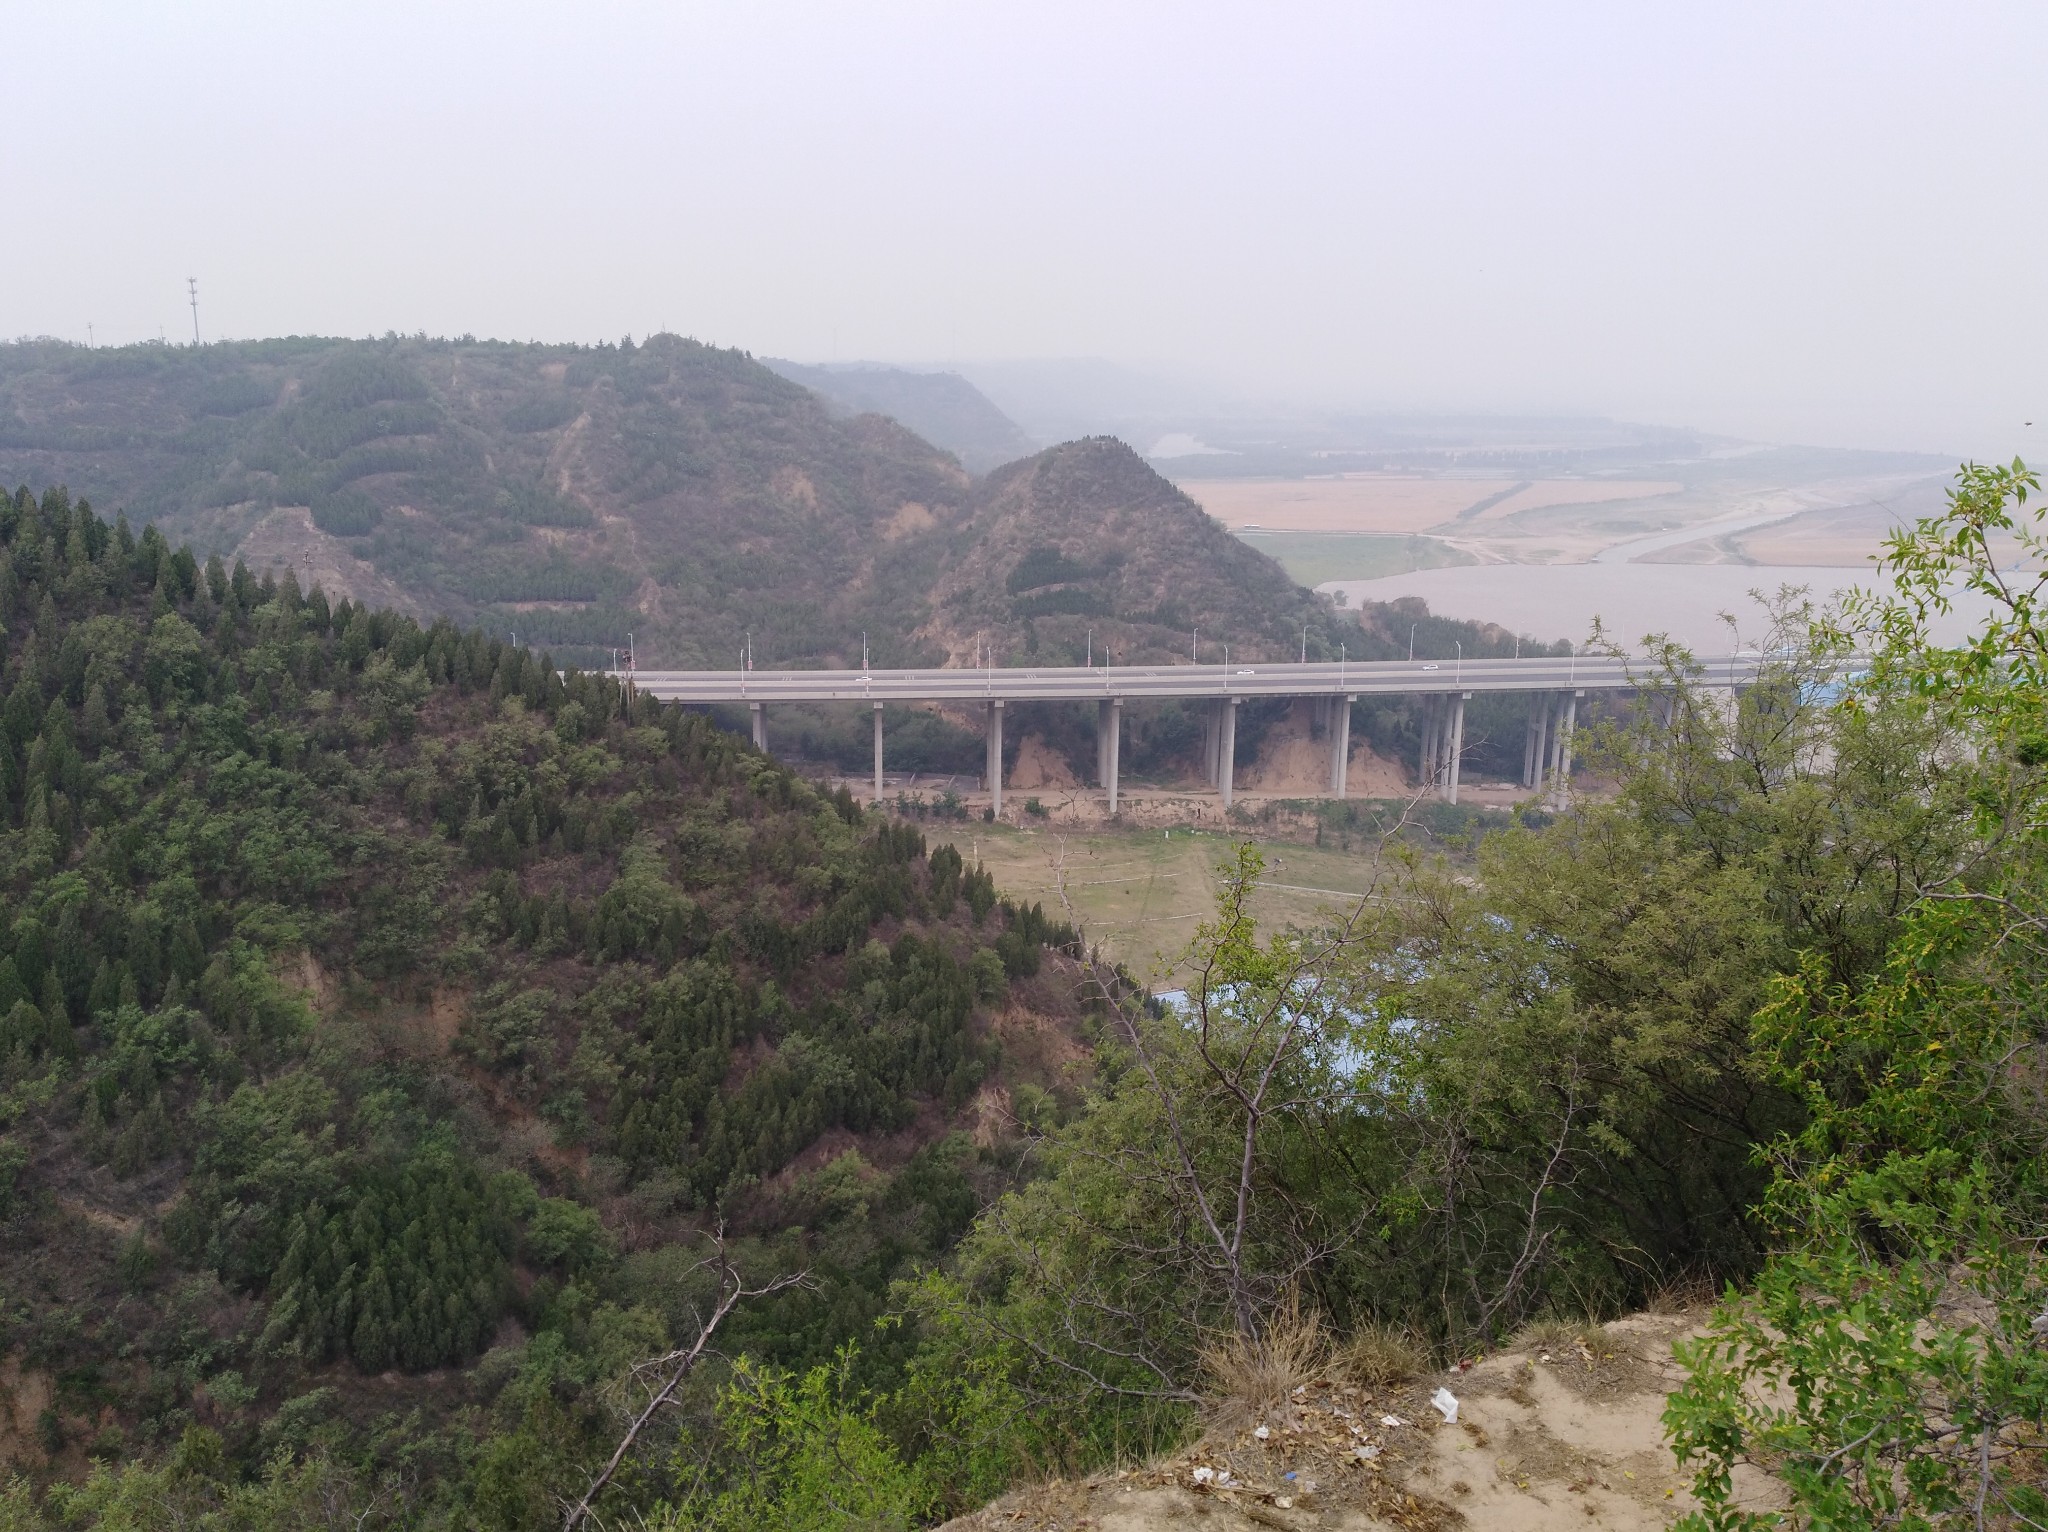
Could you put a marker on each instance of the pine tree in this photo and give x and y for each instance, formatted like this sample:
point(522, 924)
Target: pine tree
point(57, 1034)
point(106, 990)
point(25, 1030)
point(96, 725)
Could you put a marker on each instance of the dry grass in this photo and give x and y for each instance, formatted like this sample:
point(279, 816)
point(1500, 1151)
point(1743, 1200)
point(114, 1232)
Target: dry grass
point(1560, 1337)
point(1684, 1295)
point(1140, 892)
point(1253, 1379)
point(1381, 1355)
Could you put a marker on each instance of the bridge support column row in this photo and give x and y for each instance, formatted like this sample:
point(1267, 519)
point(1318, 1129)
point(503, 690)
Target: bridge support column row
point(760, 712)
point(1339, 726)
point(1443, 742)
point(992, 712)
point(1109, 733)
point(1547, 746)
point(878, 752)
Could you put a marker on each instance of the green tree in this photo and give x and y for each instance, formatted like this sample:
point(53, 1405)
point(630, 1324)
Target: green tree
point(1888, 1362)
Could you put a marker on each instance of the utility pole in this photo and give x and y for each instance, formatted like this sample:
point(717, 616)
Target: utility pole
point(90, 344)
point(1195, 649)
point(1091, 648)
point(192, 287)
point(863, 653)
point(1304, 646)
point(1411, 638)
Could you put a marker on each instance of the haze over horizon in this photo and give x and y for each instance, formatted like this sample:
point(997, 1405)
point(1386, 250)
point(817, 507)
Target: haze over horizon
point(1758, 221)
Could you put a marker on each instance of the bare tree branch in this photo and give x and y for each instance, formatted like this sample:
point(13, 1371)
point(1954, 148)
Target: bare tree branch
point(675, 1366)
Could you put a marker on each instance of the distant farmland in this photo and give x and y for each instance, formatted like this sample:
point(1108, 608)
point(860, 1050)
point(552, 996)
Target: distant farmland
point(1393, 505)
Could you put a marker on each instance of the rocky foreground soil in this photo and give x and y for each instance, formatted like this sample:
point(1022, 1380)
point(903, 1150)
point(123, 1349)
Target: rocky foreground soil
point(1543, 1440)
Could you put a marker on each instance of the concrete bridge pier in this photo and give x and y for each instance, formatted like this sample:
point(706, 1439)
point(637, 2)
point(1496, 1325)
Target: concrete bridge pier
point(1563, 721)
point(1226, 746)
point(1546, 735)
point(1532, 737)
point(992, 714)
point(878, 750)
point(1430, 765)
point(1456, 735)
point(759, 710)
point(1571, 728)
point(1546, 764)
point(1339, 726)
point(1109, 731)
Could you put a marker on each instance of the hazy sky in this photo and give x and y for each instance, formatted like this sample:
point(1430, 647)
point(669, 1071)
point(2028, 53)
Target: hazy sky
point(1796, 221)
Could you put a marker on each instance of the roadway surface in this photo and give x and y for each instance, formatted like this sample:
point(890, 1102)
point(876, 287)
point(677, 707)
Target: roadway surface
point(1073, 684)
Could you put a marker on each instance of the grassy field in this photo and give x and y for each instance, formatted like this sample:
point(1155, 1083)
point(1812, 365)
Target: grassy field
point(1313, 557)
point(1141, 893)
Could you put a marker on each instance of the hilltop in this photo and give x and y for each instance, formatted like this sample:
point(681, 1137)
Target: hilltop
point(1086, 536)
point(681, 493)
point(672, 490)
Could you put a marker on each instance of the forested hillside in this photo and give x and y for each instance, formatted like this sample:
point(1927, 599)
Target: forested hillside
point(392, 1020)
point(387, 1017)
point(681, 494)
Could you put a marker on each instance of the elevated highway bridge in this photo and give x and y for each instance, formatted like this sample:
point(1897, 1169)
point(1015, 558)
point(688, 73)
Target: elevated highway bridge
point(1553, 685)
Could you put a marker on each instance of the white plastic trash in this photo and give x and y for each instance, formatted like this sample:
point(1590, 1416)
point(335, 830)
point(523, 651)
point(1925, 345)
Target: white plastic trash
point(1446, 1404)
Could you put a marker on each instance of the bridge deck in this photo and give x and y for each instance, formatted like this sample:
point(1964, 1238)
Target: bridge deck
point(1133, 682)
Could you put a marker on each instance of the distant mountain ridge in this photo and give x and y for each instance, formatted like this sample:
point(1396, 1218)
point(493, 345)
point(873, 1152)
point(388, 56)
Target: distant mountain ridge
point(942, 407)
point(682, 497)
